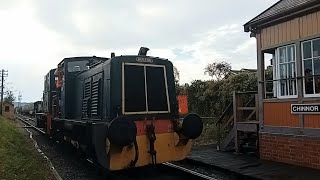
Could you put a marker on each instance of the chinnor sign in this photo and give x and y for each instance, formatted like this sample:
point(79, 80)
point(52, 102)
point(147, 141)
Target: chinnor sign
point(305, 108)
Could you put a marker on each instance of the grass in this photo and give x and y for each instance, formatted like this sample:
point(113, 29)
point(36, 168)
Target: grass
point(18, 157)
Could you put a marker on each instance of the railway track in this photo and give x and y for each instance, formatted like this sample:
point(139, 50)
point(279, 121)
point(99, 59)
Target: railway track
point(27, 120)
point(165, 171)
point(161, 171)
point(189, 171)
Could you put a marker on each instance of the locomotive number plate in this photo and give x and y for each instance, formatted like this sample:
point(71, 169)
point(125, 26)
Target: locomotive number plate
point(141, 59)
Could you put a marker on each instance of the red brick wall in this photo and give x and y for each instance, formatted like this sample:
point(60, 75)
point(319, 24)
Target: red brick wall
point(297, 150)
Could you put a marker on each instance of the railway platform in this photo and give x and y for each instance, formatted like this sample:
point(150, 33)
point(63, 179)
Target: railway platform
point(248, 166)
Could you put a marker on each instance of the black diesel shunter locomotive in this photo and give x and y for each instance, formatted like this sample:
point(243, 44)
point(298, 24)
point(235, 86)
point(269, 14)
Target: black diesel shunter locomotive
point(121, 111)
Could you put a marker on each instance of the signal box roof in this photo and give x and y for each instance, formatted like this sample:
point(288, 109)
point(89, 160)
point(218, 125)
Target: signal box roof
point(281, 9)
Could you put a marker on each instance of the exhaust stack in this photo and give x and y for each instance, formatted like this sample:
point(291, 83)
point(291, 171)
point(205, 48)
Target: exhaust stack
point(143, 51)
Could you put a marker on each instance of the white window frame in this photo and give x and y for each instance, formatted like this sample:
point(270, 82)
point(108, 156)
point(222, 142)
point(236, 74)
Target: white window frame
point(312, 57)
point(274, 75)
point(277, 74)
point(146, 88)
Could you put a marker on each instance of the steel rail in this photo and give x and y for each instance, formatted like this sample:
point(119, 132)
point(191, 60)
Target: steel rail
point(29, 124)
point(26, 117)
point(189, 171)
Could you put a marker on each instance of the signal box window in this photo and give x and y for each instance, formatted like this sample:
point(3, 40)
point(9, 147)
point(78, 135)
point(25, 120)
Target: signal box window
point(311, 67)
point(6, 109)
point(286, 71)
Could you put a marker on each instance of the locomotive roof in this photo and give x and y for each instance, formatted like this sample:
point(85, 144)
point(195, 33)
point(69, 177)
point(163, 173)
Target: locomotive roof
point(142, 53)
point(164, 59)
point(81, 57)
point(104, 58)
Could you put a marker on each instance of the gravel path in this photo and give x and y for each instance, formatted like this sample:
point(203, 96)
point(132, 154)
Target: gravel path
point(64, 159)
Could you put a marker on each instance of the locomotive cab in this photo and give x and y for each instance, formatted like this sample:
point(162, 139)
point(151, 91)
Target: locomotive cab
point(65, 76)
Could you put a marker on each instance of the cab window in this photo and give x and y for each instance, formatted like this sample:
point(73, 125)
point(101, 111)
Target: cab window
point(77, 66)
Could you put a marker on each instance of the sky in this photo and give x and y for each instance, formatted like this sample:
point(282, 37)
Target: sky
point(35, 35)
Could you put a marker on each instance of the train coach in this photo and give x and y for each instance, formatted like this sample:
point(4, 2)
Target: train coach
point(121, 111)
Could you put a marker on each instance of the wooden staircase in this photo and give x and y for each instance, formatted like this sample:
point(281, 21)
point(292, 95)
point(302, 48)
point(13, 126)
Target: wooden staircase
point(238, 126)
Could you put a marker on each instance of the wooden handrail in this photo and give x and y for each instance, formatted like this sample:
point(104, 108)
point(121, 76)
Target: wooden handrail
point(224, 113)
point(233, 114)
point(246, 108)
point(230, 105)
point(250, 100)
point(230, 121)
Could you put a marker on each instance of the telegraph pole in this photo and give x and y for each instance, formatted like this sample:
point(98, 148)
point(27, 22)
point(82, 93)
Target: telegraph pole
point(19, 99)
point(3, 75)
point(19, 103)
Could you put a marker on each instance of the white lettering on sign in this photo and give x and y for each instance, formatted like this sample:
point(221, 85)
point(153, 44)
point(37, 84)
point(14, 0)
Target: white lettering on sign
point(305, 108)
point(141, 59)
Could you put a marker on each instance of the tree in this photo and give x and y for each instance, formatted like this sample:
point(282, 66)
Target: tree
point(180, 89)
point(218, 70)
point(176, 75)
point(9, 98)
point(210, 98)
point(270, 82)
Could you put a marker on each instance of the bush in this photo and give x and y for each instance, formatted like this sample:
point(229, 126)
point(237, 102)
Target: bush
point(210, 98)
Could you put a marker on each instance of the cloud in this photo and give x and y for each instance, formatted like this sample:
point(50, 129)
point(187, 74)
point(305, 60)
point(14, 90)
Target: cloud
point(224, 43)
point(36, 35)
point(123, 24)
point(245, 46)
